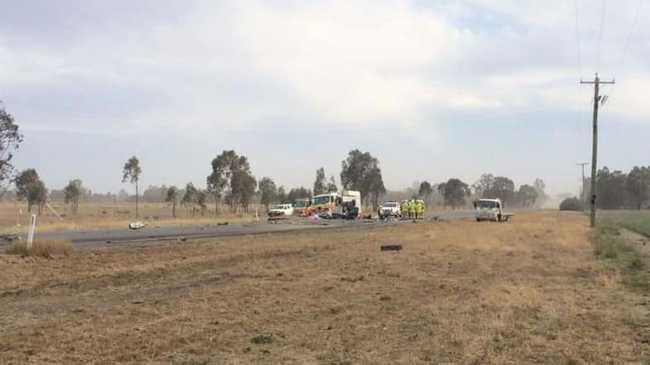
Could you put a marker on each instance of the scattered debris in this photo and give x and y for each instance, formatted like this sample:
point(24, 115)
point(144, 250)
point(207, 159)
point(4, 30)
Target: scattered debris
point(137, 301)
point(136, 225)
point(391, 247)
point(222, 223)
point(353, 280)
point(10, 237)
point(262, 339)
point(384, 298)
point(182, 239)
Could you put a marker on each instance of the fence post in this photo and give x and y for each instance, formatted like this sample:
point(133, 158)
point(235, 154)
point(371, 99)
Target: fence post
point(30, 234)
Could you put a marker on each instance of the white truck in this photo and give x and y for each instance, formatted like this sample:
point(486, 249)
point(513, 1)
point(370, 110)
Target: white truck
point(491, 210)
point(389, 209)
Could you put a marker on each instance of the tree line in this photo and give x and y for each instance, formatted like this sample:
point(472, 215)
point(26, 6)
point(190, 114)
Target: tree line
point(231, 184)
point(620, 190)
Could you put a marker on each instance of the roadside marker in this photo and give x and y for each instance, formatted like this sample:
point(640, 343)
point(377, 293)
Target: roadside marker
point(30, 234)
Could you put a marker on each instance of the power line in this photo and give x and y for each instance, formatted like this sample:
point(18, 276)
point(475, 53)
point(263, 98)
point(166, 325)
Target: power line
point(578, 36)
point(600, 33)
point(626, 42)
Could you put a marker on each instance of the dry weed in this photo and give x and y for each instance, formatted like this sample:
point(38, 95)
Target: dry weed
point(45, 249)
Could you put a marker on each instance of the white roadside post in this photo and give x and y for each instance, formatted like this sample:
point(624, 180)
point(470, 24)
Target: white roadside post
point(30, 234)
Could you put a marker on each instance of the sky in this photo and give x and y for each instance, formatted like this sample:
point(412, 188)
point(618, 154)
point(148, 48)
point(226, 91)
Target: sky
point(433, 89)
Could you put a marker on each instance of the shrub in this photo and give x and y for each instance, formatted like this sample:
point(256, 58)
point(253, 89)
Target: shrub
point(572, 204)
point(45, 249)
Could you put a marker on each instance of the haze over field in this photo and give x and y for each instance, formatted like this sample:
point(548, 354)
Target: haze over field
point(433, 89)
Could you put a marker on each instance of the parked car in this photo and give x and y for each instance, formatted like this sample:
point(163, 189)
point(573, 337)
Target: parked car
point(278, 210)
point(389, 209)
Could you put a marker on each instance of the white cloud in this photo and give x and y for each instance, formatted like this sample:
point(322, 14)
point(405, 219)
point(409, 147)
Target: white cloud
point(207, 67)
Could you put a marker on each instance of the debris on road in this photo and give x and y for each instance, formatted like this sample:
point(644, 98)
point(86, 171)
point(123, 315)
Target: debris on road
point(136, 225)
point(354, 279)
point(262, 339)
point(391, 247)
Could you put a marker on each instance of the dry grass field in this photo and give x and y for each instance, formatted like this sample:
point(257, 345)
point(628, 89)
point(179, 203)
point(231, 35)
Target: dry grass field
point(459, 292)
point(14, 217)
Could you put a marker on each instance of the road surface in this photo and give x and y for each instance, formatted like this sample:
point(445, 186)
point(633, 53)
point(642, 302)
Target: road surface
point(98, 238)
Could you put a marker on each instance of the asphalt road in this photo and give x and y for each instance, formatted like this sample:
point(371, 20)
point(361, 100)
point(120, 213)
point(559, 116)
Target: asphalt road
point(151, 233)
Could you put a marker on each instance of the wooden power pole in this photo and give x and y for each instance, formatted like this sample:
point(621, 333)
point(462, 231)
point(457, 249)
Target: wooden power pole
point(594, 150)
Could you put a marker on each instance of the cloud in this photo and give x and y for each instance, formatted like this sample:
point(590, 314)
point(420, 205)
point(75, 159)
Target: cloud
point(230, 73)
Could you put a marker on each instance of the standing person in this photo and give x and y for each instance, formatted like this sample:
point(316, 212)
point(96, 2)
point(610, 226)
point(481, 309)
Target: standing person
point(412, 209)
point(403, 209)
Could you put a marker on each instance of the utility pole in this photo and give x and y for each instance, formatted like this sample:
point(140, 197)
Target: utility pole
point(594, 151)
point(582, 188)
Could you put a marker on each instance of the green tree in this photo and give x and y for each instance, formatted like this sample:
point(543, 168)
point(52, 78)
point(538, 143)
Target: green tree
point(298, 193)
point(172, 197)
point(572, 204)
point(360, 171)
point(281, 195)
point(219, 180)
point(484, 185)
point(201, 199)
point(72, 192)
point(540, 187)
point(319, 183)
point(30, 187)
point(454, 192)
point(610, 189)
point(10, 139)
point(637, 185)
point(376, 187)
point(189, 197)
point(243, 191)
point(331, 185)
point(231, 177)
point(502, 188)
point(132, 172)
point(527, 195)
point(268, 191)
point(425, 191)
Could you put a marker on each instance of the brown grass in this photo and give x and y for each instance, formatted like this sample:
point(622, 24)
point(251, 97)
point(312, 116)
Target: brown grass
point(45, 249)
point(14, 217)
point(459, 292)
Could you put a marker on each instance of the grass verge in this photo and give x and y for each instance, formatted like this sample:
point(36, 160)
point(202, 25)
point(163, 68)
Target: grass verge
point(634, 220)
point(611, 246)
point(45, 249)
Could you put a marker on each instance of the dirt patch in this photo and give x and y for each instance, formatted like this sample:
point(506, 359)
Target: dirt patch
point(462, 292)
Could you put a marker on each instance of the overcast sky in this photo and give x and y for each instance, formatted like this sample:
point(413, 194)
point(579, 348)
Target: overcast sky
point(434, 89)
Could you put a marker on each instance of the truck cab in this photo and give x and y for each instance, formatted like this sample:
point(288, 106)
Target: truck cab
point(489, 210)
point(301, 205)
